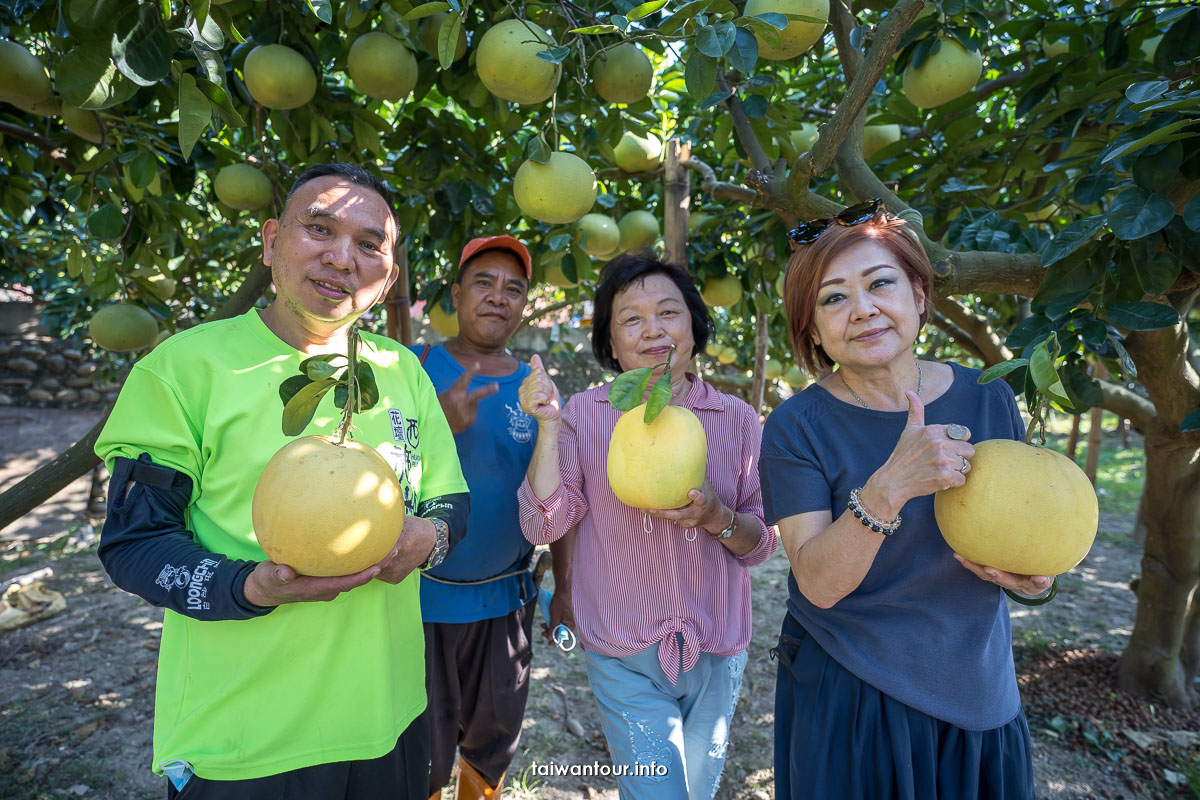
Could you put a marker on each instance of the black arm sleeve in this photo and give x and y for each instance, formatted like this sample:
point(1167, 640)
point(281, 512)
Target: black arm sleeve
point(147, 549)
point(453, 509)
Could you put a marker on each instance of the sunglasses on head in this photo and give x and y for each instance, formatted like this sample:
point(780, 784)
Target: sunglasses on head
point(808, 232)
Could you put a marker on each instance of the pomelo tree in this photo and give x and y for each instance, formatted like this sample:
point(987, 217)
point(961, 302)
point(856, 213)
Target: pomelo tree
point(1054, 176)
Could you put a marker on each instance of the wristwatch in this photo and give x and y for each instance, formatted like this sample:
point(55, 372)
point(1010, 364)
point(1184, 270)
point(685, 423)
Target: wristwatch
point(728, 530)
point(441, 545)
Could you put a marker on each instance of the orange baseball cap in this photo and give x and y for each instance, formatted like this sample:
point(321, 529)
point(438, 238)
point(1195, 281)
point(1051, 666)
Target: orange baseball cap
point(509, 243)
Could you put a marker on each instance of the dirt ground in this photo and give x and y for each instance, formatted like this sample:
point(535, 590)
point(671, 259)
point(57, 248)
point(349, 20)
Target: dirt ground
point(76, 691)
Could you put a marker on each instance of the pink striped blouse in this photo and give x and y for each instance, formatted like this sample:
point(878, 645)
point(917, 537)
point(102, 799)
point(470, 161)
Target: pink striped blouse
point(633, 589)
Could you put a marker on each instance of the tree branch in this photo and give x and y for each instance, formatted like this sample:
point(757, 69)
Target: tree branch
point(987, 342)
point(56, 154)
point(710, 184)
point(960, 337)
point(1128, 404)
point(745, 133)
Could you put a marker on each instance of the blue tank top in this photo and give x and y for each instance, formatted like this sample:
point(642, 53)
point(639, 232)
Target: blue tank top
point(920, 627)
point(494, 453)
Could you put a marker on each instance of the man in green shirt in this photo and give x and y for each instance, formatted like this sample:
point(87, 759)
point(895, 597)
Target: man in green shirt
point(273, 684)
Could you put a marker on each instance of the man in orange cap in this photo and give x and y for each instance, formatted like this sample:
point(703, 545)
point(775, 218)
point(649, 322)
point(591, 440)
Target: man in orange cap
point(478, 605)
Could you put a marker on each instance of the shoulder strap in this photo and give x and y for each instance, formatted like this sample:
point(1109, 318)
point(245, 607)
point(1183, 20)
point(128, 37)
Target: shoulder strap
point(425, 354)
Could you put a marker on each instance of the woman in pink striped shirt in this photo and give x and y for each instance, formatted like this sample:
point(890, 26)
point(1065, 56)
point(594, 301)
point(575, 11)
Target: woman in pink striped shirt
point(661, 598)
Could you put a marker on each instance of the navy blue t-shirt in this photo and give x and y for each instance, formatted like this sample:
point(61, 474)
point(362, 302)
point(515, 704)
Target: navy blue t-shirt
point(920, 627)
point(494, 453)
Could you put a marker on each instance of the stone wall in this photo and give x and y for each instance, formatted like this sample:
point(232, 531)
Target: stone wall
point(44, 372)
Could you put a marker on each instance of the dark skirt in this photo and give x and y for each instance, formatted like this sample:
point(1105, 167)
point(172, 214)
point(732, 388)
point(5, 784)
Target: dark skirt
point(836, 737)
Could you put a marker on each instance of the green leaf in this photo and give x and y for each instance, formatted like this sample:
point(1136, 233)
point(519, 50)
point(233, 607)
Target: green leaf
point(141, 47)
point(628, 388)
point(143, 169)
point(75, 262)
point(1045, 376)
point(425, 10)
point(1145, 91)
point(1141, 316)
point(555, 55)
point(716, 40)
point(660, 398)
point(218, 96)
point(1136, 213)
point(645, 10)
point(106, 222)
point(1071, 239)
point(1003, 368)
point(777, 21)
point(300, 409)
point(318, 370)
point(1158, 273)
point(1191, 212)
point(700, 75)
point(1126, 361)
point(323, 9)
point(448, 35)
point(1162, 134)
point(86, 77)
point(744, 53)
point(1191, 422)
point(195, 114)
point(288, 389)
point(596, 29)
point(1079, 273)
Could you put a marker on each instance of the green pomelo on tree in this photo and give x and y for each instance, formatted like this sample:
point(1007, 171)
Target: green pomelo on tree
point(558, 192)
point(381, 66)
point(242, 187)
point(279, 77)
point(623, 74)
point(506, 61)
point(123, 327)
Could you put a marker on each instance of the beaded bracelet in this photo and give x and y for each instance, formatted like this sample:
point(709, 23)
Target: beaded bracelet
point(887, 528)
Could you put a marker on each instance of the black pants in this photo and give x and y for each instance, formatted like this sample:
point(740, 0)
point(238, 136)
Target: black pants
point(402, 774)
point(477, 677)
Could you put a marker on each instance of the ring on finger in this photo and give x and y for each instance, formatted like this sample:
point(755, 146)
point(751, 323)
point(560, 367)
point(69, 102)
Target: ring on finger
point(966, 465)
point(957, 432)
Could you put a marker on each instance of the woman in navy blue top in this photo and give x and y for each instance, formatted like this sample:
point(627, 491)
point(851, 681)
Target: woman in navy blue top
point(896, 675)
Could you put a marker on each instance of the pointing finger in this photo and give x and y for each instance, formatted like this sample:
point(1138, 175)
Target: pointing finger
point(468, 375)
point(483, 391)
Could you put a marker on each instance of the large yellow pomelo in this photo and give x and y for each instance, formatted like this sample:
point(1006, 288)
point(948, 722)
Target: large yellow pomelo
point(381, 67)
point(637, 153)
point(798, 36)
point(949, 73)
point(877, 137)
point(24, 81)
point(1023, 509)
point(428, 32)
point(443, 323)
point(507, 63)
point(123, 327)
point(622, 74)
point(600, 235)
point(83, 123)
point(639, 229)
point(327, 509)
point(558, 192)
point(243, 187)
point(278, 77)
point(656, 465)
point(723, 291)
point(728, 355)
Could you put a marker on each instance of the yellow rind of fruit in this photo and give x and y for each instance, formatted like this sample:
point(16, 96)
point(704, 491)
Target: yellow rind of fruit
point(877, 137)
point(804, 137)
point(1024, 509)
point(635, 153)
point(798, 36)
point(279, 77)
point(945, 75)
point(164, 287)
point(553, 271)
point(83, 123)
point(123, 327)
point(558, 192)
point(243, 187)
point(444, 324)
point(623, 74)
point(24, 81)
point(428, 32)
point(326, 509)
point(381, 66)
point(639, 229)
point(507, 63)
point(773, 370)
point(656, 465)
point(727, 355)
point(600, 235)
point(723, 291)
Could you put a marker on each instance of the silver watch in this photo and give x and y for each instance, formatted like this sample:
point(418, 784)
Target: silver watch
point(441, 545)
point(728, 530)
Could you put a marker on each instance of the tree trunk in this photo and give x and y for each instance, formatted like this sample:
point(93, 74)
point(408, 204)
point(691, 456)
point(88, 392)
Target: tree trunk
point(1095, 441)
point(1161, 657)
point(761, 341)
point(677, 190)
point(1073, 439)
point(45, 482)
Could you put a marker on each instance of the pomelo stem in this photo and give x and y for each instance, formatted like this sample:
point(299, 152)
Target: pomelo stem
point(351, 386)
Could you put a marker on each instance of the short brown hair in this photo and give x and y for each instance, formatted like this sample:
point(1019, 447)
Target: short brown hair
point(809, 262)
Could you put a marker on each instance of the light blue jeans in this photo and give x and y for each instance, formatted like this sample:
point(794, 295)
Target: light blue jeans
point(672, 738)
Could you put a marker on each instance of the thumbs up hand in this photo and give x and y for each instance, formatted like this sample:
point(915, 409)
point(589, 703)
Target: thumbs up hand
point(539, 396)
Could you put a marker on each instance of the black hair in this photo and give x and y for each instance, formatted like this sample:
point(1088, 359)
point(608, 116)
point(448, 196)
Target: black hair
point(351, 173)
point(620, 273)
